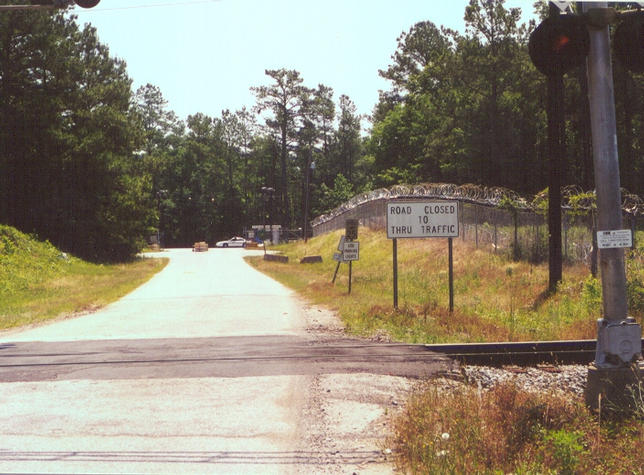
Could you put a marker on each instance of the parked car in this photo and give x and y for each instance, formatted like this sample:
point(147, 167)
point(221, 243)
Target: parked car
point(232, 242)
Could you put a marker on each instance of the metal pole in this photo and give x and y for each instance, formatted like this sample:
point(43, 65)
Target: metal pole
point(306, 198)
point(335, 274)
point(476, 225)
point(350, 265)
point(451, 274)
point(395, 252)
point(606, 165)
point(618, 337)
point(556, 152)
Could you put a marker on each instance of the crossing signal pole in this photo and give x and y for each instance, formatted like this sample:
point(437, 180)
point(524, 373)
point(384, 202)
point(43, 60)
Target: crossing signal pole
point(618, 336)
point(558, 44)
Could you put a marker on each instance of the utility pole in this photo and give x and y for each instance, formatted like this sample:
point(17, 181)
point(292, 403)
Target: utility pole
point(618, 337)
point(556, 151)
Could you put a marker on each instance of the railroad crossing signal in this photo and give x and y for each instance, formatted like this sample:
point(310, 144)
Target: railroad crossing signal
point(559, 44)
point(86, 3)
point(629, 42)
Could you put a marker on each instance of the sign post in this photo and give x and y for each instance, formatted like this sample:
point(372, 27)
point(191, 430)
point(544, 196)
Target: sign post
point(423, 219)
point(338, 257)
point(451, 273)
point(395, 259)
point(350, 253)
point(349, 249)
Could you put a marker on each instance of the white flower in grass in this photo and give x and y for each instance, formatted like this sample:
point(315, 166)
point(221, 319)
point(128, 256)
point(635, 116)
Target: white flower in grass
point(445, 436)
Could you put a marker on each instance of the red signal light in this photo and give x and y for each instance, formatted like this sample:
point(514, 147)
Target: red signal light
point(559, 44)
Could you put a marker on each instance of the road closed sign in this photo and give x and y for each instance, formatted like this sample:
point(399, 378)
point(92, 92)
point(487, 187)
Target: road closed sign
point(422, 219)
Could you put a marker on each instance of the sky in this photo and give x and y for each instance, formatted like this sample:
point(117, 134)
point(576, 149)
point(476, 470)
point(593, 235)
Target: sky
point(204, 55)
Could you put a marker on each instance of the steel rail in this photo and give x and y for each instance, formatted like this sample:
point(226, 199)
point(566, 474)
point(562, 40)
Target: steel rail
point(520, 353)
point(492, 354)
point(407, 357)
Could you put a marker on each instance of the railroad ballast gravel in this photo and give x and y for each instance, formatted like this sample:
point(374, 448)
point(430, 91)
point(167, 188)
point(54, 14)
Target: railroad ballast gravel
point(565, 378)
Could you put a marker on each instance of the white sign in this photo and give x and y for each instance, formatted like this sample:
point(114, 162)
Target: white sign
point(422, 219)
point(351, 251)
point(614, 239)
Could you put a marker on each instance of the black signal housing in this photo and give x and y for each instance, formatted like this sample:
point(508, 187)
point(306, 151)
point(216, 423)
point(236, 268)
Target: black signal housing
point(559, 44)
point(628, 42)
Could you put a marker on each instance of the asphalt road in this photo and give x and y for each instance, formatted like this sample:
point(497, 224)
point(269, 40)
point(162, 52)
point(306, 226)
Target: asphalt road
point(224, 357)
point(207, 368)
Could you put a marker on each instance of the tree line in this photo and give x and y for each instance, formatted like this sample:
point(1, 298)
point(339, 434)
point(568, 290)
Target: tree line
point(98, 168)
point(471, 108)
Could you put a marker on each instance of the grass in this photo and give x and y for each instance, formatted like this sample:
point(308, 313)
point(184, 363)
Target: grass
point(496, 299)
point(468, 430)
point(508, 430)
point(38, 282)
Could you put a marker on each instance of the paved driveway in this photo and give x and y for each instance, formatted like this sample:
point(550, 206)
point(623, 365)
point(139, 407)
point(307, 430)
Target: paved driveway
point(199, 294)
point(207, 368)
point(163, 425)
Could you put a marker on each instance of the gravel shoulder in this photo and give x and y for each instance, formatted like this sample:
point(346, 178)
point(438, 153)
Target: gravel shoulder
point(347, 417)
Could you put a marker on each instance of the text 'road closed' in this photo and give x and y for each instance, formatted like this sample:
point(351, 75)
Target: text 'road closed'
point(421, 219)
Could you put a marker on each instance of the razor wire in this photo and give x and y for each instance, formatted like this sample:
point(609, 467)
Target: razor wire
point(573, 197)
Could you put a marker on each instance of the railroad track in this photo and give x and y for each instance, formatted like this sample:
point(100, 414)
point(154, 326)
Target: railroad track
point(520, 353)
point(268, 355)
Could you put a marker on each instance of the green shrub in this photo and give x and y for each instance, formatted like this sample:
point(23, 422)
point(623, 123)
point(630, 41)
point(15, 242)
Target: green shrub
point(635, 280)
point(564, 448)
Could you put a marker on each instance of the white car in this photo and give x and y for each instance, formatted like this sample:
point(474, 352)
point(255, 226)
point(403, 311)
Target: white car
point(232, 242)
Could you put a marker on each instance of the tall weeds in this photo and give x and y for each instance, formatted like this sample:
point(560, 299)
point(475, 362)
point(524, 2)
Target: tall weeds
point(495, 298)
point(39, 282)
point(509, 430)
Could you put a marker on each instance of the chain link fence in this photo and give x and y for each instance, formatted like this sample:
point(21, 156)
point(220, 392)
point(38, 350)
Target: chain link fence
point(495, 219)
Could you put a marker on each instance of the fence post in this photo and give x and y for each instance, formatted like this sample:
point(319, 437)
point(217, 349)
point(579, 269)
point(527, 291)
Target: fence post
point(462, 213)
point(515, 215)
point(565, 230)
point(476, 225)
